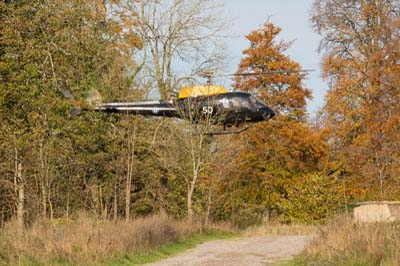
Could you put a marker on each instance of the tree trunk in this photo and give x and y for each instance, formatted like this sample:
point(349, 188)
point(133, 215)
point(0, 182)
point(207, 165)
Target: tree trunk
point(50, 205)
point(44, 200)
point(2, 218)
point(115, 203)
point(381, 183)
point(43, 181)
point(129, 172)
point(21, 198)
point(208, 207)
point(16, 174)
point(189, 205)
point(101, 206)
point(190, 197)
point(68, 200)
point(128, 196)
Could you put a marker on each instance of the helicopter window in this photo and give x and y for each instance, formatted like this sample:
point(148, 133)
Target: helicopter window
point(260, 104)
point(257, 103)
point(236, 102)
point(253, 100)
point(225, 102)
point(245, 102)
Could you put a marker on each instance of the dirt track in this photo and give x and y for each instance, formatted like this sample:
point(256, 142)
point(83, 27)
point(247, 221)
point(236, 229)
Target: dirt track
point(251, 251)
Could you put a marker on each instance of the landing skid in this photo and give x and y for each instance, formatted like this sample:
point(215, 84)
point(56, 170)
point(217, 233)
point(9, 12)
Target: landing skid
point(226, 132)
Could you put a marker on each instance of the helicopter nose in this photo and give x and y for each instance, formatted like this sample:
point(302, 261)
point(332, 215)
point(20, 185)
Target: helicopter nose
point(267, 113)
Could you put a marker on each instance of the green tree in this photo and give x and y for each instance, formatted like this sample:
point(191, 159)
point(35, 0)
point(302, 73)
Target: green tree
point(52, 55)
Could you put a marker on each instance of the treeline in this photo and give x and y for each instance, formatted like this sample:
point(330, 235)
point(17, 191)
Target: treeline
point(52, 54)
point(58, 158)
point(360, 41)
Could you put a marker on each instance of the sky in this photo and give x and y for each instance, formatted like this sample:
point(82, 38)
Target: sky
point(293, 17)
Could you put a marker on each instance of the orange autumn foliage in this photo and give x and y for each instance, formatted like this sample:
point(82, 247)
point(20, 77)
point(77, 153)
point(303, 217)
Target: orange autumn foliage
point(273, 157)
point(284, 92)
point(360, 40)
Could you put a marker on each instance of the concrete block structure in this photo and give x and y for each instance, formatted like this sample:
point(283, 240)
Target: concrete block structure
point(377, 211)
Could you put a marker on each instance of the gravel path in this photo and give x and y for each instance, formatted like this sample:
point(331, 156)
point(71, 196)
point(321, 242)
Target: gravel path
point(251, 251)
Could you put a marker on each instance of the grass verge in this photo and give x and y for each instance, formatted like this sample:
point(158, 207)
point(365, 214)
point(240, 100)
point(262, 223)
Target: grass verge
point(275, 228)
point(168, 250)
point(344, 243)
point(87, 241)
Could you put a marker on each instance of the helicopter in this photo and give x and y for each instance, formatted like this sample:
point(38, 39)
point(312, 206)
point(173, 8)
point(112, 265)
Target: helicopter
point(204, 103)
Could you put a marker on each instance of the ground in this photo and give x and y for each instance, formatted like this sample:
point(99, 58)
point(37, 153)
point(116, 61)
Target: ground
point(252, 251)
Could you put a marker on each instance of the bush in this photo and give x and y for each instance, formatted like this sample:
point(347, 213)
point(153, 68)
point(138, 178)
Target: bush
point(86, 240)
point(341, 243)
point(246, 218)
point(309, 199)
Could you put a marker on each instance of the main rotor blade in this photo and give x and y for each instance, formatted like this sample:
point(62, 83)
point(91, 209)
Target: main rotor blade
point(271, 72)
point(225, 132)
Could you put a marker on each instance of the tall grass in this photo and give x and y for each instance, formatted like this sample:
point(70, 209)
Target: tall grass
point(342, 242)
point(86, 241)
point(276, 228)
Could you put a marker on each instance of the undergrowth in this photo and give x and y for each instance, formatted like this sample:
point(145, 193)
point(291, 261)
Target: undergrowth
point(345, 243)
point(168, 250)
point(88, 241)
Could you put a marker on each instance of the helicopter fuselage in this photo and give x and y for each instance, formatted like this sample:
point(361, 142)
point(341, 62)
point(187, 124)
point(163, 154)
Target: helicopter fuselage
point(228, 109)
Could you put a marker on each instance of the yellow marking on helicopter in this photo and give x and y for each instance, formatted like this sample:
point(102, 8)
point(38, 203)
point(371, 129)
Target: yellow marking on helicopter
point(197, 90)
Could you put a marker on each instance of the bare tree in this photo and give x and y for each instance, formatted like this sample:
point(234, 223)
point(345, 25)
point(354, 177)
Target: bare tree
point(178, 34)
point(186, 148)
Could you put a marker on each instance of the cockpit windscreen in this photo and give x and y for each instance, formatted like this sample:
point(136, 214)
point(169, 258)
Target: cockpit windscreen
point(257, 103)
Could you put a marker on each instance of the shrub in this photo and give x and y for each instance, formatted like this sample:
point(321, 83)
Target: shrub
point(309, 199)
point(246, 218)
point(86, 240)
point(342, 242)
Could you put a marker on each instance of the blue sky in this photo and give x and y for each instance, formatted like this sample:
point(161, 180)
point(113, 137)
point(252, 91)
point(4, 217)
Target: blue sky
point(293, 17)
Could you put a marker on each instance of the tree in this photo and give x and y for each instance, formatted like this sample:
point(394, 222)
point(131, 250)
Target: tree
point(285, 93)
point(52, 54)
point(283, 149)
point(313, 198)
point(178, 34)
point(187, 150)
point(360, 44)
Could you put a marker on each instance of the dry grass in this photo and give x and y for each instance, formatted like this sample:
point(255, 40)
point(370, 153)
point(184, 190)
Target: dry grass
point(276, 228)
point(342, 242)
point(86, 240)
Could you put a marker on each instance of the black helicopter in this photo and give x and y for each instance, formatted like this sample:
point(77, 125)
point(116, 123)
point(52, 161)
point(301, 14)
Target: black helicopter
point(227, 109)
point(199, 103)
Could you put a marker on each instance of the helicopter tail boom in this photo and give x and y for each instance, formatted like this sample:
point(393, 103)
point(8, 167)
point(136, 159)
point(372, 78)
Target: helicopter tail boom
point(152, 108)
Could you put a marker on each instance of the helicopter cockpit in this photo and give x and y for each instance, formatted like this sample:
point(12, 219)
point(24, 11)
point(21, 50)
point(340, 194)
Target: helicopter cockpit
point(257, 103)
point(241, 100)
point(247, 104)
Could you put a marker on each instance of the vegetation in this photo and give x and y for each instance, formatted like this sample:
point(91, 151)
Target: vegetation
point(272, 228)
point(169, 250)
point(58, 158)
point(341, 242)
point(88, 241)
point(360, 43)
point(275, 161)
